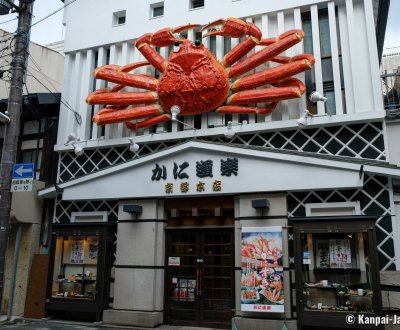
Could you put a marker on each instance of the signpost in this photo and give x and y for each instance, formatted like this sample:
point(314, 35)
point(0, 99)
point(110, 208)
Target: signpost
point(22, 177)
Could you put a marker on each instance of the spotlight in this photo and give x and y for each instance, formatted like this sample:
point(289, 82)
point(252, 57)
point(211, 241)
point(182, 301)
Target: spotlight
point(302, 121)
point(134, 147)
point(78, 150)
point(72, 137)
point(229, 133)
point(317, 97)
point(175, 111)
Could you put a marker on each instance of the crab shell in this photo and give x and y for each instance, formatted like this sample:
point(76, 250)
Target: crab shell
point(194, 80)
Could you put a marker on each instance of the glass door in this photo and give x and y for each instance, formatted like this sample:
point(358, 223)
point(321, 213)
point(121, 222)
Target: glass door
point(200, 277)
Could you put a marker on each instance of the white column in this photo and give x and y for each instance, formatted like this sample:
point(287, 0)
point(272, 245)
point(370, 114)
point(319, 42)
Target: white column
point(346, 62)
point(252, 118)
point(299, 49)
point(335, 58)
point(352, 51)
point(86, 89)
point(66, 116)
point(101, 60)
point(373, 56)
point(111, 129)
point(317, 54)
point(265, 35)
point(283, 105)
point(234, 43)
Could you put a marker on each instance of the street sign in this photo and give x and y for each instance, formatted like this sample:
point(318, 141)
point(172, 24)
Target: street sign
point(22, 177)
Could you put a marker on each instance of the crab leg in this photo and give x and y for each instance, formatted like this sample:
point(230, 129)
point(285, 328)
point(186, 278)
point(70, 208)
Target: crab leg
point(288, 89)
point(149, 122)
point(236, 28)
point(285, 41)
point(120, 75)
point(300, 64)
point(111, 115)
point(122, 98)
point(161, 38)
point(237, 109)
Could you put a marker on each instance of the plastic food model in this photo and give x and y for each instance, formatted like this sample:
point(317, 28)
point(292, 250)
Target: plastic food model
point(193, 81)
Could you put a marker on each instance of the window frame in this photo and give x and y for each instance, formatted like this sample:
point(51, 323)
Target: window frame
point(155, 6)
point(117, 15)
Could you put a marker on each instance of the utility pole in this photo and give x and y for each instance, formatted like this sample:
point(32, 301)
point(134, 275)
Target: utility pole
point(10, 143)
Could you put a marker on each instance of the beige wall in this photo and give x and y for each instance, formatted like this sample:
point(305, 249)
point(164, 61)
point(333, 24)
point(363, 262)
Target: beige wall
point(45, 64)
point(29, 245)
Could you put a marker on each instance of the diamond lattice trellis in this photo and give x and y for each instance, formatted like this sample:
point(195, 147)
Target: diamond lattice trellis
point(374, 200)
point(64, 208)
point(357, 140)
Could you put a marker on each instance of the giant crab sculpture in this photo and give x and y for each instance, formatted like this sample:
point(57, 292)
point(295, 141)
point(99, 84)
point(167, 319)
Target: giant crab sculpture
point(196, 82)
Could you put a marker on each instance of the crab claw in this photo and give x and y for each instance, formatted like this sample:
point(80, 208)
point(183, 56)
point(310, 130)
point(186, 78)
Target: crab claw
point(232, 27)
point(164, 37)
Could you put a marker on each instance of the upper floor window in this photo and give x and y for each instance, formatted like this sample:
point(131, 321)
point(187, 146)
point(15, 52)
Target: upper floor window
point(119, 18)
point(157, 9)
point(196, 4)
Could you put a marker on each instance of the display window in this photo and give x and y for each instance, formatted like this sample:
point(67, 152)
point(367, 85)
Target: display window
point(336, 272)
point(75, 267)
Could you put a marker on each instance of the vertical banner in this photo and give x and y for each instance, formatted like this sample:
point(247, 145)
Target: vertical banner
point(262, 270)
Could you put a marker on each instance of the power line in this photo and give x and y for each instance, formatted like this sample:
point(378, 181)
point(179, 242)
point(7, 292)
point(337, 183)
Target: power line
point(10, 20)
point(78, 117)
point(54, 12)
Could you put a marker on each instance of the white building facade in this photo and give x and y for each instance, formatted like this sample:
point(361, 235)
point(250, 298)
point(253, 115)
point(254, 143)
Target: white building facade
point(147, 238)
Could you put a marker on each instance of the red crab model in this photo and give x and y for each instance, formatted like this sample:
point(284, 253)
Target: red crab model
point(195, 81)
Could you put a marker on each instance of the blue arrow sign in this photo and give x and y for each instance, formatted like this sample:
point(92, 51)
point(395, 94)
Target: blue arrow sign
point(23, 171)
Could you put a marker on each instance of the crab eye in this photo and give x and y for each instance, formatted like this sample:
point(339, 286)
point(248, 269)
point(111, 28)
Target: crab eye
point(177, 45)
point(197, 43)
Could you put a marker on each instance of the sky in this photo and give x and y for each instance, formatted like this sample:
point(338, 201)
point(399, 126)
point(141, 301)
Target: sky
point(52, 30)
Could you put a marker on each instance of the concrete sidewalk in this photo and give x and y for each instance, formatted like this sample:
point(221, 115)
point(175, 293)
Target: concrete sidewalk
point(17, 322)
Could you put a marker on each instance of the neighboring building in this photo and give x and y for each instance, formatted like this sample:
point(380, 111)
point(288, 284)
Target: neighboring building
point(168, 234)
point(38, 131)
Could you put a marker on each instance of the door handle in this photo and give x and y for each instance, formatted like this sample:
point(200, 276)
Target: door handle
point(197, 282)
point(200, 283)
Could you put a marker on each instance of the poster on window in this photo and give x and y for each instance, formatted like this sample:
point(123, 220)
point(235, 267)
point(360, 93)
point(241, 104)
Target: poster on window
point(77, 252)
point(262, 270)
point(340, 253)
point(93, 249)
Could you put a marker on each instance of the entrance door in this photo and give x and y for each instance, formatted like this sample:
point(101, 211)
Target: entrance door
point(200, 277)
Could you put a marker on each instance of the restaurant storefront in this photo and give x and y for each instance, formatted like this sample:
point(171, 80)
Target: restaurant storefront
point(209, 235)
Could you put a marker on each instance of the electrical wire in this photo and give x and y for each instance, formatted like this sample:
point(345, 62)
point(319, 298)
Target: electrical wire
point(54, 12)
point(10, 20)
point(78, 117)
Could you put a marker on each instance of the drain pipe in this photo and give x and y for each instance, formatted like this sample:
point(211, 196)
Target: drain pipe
point(14, 271)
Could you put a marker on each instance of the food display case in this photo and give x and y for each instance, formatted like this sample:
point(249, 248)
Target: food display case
point(336, 270)
point(79, 277)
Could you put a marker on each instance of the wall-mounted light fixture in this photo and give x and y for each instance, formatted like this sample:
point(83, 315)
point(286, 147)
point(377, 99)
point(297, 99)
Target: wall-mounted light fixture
point(314, 97)
point(229, 132)
point(317, 97)
point(133, 146)
point(175, 111)
point(72, 139)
